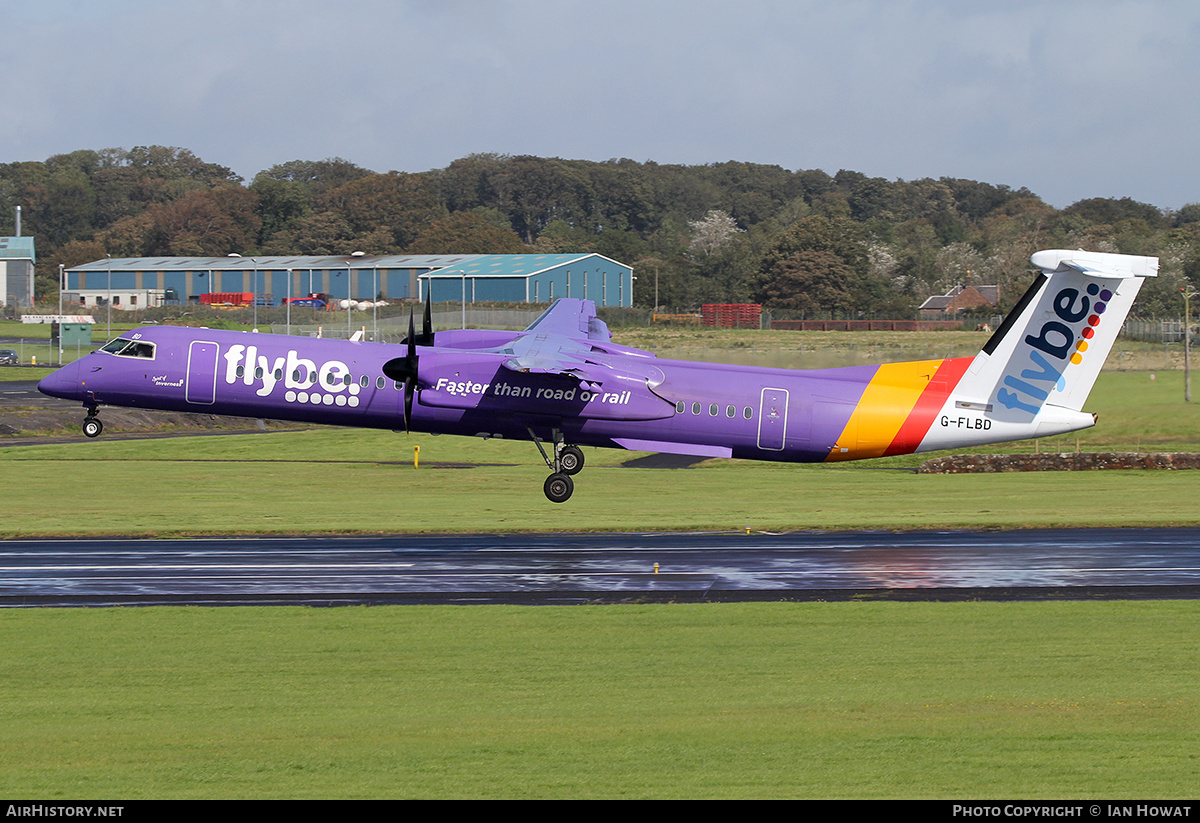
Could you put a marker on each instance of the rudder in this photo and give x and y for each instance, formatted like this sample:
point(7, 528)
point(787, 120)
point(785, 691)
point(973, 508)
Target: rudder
point(1035, 373)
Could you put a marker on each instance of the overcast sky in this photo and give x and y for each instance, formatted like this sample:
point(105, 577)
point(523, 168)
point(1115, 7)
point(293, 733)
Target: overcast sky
point(1071, 99)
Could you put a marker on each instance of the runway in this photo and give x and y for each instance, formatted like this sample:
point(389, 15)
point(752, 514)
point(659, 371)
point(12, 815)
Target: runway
point(604, 568)
point(25, 393)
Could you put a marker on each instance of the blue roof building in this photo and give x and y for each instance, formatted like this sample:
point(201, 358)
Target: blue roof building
point(510, 278)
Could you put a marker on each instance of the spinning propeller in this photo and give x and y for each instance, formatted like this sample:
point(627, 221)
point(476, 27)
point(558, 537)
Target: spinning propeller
point(405, 368)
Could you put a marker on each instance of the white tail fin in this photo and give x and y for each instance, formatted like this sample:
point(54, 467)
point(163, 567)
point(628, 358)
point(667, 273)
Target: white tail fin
point(1035, 373)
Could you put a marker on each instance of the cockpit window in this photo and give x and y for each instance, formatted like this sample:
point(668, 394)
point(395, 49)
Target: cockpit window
point(124, 347)
point(114, 346)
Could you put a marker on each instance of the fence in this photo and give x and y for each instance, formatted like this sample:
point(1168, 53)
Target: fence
point(41, 352)
point(395, 329)
point(868, 325)
point(1156, 331)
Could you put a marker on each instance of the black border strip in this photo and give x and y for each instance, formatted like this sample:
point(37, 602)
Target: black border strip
point(1011, 319)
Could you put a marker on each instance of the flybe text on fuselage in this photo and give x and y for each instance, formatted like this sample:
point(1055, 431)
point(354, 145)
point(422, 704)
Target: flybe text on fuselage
point(297, 375)
point(1060, 341)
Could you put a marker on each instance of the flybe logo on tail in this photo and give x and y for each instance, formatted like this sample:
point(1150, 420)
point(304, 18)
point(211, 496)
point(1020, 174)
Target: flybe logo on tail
point(1060, 341)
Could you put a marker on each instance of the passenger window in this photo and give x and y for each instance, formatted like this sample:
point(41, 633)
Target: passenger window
point(712, 410)
point(241, 370)
point(695, 408)
point(258, 373)
point(680, 407)
point(380, 382)
point(279, 374)
point(747, 413)
point(730, 411)
point(364, 381)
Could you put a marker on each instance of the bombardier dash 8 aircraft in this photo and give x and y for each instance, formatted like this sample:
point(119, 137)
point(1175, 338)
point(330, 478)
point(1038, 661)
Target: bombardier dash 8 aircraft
point(563, 382)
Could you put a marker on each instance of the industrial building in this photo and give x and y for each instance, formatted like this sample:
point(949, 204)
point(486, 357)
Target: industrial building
point(509, 278)
point(16, 271)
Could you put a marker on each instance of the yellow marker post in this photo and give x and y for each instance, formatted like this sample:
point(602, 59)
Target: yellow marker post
point(416, 452)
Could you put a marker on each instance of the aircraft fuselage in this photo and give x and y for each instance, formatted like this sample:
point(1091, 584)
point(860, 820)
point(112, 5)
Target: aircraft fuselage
point(699, 408)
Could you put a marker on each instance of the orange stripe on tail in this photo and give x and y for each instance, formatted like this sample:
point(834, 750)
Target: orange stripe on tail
point(915, 426)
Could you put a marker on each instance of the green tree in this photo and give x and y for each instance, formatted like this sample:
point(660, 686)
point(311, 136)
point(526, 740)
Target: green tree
point(821, 264)
point(201, 223)
point(212, 223)
point(533, 192)
point(810, 281)
point(839, 235)
point(316, 176)
point(281, 203)
point(320, 233)
point(61, 209)
point(1110, 210)
point(465, 233)
point(402, 204)
point(1188, 214)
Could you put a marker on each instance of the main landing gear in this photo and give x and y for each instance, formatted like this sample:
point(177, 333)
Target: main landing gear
point(568, 460)
point(91, 424)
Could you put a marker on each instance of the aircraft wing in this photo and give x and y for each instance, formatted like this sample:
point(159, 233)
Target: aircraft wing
point(573, 318)
point(569, 339)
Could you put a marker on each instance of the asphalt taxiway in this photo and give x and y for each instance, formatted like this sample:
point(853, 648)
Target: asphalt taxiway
point(603, 567)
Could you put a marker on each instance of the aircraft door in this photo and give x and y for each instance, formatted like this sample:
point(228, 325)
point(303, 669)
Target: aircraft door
point(772, 419)
point(202, 373)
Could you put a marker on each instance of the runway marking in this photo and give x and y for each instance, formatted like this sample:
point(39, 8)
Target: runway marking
point(197, 573)
point(135, 554)
point(212, 566)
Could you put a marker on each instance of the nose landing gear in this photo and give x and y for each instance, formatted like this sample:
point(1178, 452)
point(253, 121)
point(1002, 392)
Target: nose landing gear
point(91, 424)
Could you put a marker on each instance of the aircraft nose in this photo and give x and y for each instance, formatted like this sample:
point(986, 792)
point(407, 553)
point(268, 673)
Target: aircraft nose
point(62, 383)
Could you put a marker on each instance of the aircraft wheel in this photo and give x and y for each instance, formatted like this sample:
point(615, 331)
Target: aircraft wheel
point(92, 427)
point(558, 488)
point(570, 460)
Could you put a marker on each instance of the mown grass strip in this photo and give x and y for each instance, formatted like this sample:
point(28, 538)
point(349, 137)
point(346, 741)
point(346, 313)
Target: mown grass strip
point(1021, 700)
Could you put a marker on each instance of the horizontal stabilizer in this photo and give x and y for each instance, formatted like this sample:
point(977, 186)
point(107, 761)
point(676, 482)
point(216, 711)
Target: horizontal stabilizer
point(1096, 264)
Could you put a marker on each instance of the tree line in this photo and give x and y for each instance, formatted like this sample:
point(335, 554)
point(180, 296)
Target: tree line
point(803, 241)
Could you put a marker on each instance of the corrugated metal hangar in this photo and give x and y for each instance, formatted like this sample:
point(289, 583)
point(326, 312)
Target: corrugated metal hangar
point(508, 278)
point(16, 271)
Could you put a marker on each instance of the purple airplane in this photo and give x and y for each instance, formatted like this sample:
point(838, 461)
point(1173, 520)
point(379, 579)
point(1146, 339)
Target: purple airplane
point(563, 382)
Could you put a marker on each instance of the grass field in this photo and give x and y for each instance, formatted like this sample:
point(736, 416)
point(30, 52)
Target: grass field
point(1052, 700)
point(850, 700)
point(248, 484)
